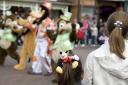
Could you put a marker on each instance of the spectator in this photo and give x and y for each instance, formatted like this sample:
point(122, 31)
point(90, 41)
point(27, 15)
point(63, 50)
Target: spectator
point(108, 65)
point(94, 32)
point(86, 27)
point(80, 37)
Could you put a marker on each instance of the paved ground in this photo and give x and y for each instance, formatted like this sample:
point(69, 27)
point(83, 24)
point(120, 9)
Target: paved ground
point(9, 76)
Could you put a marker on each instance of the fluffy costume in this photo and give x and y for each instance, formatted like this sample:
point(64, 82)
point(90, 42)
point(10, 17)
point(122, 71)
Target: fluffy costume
point(29, 43)
point(29, 39)
point(69, 69)
point(7, 40)
point(67, 58)
point(65, 37)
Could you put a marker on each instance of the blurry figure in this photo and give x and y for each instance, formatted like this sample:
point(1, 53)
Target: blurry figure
point(77, 27)
point(65, 38)
point(77, 24)
point(94, 32)
point(86, 27)
point(69, 69)
point(100, 26)
point(28, 33)
point(101, 38)
point(80, 37)
point(43, 44)
point(8, 45)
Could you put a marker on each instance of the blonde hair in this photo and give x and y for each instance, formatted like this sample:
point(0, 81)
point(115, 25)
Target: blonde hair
point(117, 34)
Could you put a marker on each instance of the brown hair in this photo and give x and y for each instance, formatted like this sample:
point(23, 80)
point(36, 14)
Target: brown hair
point(70, 75)
point(117, 34)
point(67, 77)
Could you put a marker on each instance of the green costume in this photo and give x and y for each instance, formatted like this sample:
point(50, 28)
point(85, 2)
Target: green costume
point(62, 42)
point(7, 45)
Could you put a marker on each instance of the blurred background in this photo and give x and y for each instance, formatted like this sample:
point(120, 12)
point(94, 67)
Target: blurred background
point(99, 9)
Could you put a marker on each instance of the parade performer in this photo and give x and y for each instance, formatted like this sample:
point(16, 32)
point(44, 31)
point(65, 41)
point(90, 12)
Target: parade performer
point(69, 69)
point(66, 36)
point(41, 56)
point(7, 39)
point(28, 47)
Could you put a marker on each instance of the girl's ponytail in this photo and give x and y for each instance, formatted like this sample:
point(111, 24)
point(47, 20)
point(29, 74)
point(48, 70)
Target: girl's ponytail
point(116, 42)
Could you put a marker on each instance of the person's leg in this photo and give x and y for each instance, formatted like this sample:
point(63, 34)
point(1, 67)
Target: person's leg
point(36, 62)
point(12, 52)
point(46, 59)
point(83, 42)
point(47, 66)
point(93, 40)
point(87, 40)
point(37, 66)
point(85, 37)
point(19, 40)
point(23, 58)
point(3, 55)
point(76, 42)
point(41, 58)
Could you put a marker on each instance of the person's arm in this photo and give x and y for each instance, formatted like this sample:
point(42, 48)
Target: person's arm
point(88, 71)
point(17, 29)
point(37, 15)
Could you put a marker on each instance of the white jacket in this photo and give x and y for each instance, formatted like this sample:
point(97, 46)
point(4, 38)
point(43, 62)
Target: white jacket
point(105, 68)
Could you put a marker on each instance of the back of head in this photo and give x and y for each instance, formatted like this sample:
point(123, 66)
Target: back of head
point(117, 27)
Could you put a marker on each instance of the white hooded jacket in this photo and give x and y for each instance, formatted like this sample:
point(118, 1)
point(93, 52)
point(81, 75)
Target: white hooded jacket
point(105, 68)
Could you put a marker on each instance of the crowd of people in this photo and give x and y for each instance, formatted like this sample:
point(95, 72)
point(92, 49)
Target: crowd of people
point(50, 44)
point(90, 31)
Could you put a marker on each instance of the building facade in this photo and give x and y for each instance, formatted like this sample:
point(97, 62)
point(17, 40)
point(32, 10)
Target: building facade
point(101, 8)
point(57, 5)
point(79, 8)
point(106, 7)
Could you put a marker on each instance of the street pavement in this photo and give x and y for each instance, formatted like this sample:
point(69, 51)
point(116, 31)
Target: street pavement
point(9, 76)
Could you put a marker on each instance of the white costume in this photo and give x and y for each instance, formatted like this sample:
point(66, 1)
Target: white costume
point(40, 53)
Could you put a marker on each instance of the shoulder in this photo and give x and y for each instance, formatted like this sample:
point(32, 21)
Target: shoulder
point(99, 52)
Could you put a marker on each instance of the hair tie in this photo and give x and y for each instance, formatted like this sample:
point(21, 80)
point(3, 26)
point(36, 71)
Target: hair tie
point(118, 24)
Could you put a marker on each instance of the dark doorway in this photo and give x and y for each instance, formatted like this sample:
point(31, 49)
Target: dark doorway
point(105, 11)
